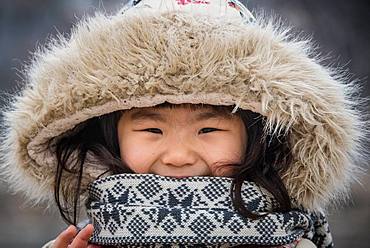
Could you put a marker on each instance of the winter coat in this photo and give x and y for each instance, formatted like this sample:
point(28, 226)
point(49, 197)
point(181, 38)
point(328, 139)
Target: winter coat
point(148, 55)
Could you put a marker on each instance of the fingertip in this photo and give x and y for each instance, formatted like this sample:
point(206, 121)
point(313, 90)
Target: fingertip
point(93, 246)
point(86, 232)
point(89, 228)
point(70, 232)
point(71, 229)
point(82, 238)
point(65, 237)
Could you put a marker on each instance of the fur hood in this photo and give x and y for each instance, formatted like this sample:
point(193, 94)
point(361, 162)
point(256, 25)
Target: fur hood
point(139, 58)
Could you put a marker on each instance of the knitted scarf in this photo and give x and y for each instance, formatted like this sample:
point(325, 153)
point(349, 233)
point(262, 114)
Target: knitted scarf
point(135, 210)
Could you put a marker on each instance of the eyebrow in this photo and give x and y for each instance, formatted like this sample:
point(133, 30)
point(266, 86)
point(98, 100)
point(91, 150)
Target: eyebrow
point(147, 114)
point(210, 115)
point(153, 115)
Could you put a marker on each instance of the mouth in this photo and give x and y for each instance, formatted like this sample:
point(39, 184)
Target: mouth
point(179, 177)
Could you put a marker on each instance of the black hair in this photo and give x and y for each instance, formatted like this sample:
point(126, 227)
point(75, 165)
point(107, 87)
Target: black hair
point(266, 158)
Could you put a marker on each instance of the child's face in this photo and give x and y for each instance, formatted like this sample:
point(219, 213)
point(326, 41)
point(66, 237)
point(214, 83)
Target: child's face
point(181, 142)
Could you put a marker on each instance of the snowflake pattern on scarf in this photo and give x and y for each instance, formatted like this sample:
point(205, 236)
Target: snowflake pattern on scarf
point(141, 210)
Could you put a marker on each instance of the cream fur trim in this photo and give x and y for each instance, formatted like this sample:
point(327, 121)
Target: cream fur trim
point(137, 60)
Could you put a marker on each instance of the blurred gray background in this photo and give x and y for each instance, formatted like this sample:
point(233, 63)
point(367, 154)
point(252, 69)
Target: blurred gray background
point(340, 27)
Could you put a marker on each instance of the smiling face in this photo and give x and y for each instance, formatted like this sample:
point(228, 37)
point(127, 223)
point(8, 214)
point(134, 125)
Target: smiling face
point(181, 141)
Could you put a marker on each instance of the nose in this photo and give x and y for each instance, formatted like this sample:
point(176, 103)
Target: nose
point(179, 153)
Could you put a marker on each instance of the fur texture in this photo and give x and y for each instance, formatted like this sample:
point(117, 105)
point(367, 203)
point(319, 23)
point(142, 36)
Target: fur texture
point(124, 61)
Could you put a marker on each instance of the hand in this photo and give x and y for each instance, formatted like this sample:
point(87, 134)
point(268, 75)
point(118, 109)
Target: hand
point(70, 238)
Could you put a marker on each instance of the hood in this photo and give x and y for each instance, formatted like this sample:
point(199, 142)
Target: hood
point(142, 57)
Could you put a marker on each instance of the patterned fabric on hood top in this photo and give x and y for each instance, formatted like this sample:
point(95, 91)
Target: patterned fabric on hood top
point(210, 52)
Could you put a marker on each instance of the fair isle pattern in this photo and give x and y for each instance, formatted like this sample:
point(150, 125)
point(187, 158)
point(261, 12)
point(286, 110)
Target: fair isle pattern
point(293, 245)
point(142, 210)
point(173, 246)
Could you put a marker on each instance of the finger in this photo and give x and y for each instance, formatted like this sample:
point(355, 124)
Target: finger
point(65, 238)
point(94, 246)
point(82, 238)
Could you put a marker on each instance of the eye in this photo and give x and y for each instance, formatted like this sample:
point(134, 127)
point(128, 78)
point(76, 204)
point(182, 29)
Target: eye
point(208, 130)
point(153, 130)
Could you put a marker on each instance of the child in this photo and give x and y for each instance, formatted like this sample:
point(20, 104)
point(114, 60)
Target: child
point(151, 116)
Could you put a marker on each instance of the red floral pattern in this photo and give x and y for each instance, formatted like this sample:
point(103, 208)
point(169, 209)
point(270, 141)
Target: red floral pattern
point(185, 2)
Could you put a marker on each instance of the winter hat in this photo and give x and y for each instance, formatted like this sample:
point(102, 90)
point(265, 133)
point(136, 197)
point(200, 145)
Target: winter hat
point(185, 51)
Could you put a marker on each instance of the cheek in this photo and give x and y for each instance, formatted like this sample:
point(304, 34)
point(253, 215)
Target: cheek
point(137, 156)
point(224, 157)
point(224, 149)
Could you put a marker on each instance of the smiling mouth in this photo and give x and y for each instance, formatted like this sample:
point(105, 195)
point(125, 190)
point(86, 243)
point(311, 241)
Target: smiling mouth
point(179, 177)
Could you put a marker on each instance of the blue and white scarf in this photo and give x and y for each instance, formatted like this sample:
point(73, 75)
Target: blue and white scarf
point(135, 210)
